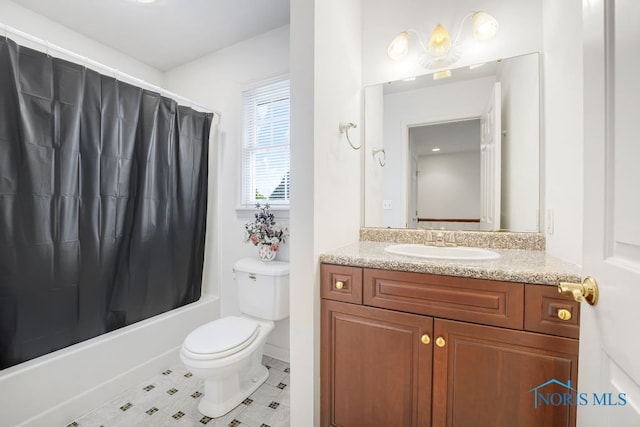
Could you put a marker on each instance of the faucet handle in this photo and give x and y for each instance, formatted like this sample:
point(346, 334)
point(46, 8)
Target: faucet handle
point(429, 239)
point(451, 239)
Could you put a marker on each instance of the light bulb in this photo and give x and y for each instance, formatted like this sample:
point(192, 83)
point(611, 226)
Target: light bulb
point(440, 42)
point(484, 26)
point(399, 46)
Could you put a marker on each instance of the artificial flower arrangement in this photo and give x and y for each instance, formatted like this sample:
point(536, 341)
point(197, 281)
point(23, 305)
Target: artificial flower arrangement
point(263, 230)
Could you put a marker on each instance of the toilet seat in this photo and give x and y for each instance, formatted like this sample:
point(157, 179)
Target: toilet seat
point(220, 338)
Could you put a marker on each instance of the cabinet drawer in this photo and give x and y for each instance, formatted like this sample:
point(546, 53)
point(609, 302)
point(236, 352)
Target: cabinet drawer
point(341, 283)
point(542, 308)
point(475, 300)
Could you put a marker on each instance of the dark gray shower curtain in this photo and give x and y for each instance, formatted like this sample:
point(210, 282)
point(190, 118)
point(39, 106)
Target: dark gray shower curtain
point(103, 194)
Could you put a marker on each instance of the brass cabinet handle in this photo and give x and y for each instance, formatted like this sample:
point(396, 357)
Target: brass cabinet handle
point(440, 342)
point(564, 314)
point(587, 290)
point(426, 339)
point(339, 285)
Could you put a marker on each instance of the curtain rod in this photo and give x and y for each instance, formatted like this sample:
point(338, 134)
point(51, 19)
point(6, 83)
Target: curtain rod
point(97, 66)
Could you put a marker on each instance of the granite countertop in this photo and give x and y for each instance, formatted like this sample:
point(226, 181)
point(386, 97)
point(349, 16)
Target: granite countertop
point(515, 265)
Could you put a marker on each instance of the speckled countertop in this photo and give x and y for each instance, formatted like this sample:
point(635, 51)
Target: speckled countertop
point(516, 265)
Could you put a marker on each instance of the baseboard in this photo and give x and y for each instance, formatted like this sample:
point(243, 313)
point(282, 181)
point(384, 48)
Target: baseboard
point(276, 352)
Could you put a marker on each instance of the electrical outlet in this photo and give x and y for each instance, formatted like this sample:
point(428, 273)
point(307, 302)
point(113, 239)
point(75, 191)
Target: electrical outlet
point(548, 221)
point(386, 205)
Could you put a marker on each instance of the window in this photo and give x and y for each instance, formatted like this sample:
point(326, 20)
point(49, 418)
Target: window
point(265, 148)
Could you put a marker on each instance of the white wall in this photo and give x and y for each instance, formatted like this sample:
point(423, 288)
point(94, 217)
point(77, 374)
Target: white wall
point(305, 311)
point(373, 138)
point(218, 80)
point(520, 82)
point(36, 25)
point(449, 185)
point(563, 122)
point(520, 32)
point(325, 174)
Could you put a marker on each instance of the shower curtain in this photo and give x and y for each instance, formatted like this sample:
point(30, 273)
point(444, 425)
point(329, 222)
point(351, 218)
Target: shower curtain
point(103, 194)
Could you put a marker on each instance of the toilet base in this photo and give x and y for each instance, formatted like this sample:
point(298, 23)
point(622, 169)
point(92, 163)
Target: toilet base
point(213, 409)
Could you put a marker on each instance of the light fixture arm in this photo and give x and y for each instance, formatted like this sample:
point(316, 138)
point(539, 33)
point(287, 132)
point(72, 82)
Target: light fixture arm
point(464, 18)
point(419, 37)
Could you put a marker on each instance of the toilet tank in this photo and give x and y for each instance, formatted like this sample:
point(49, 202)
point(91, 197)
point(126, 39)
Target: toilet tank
point(263, 288)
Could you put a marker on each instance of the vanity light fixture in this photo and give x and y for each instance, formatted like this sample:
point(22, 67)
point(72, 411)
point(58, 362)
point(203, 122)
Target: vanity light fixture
point(435, 150)
point(441, 51)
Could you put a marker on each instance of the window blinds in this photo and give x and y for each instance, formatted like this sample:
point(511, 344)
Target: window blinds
point(266, 144)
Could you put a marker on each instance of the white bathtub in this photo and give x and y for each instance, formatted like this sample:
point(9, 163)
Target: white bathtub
point(59, 387)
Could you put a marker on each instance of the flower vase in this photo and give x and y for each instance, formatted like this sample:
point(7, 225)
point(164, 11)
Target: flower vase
point(266, 252)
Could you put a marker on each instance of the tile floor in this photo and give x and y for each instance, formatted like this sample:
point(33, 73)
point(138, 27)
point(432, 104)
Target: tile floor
point(171, 399)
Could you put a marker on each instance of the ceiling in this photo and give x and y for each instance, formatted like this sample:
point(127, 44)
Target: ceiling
point(167, 33)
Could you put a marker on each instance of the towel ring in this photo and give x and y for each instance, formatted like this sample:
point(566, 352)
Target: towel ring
point(344, 128)
point(381, 159)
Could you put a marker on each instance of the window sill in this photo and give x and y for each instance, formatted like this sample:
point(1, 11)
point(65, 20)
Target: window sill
point(247, 212)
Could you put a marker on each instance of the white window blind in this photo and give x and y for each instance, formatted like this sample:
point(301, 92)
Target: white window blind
point(265, 160)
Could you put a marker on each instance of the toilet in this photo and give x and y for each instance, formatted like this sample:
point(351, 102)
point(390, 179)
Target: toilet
point(227, 353)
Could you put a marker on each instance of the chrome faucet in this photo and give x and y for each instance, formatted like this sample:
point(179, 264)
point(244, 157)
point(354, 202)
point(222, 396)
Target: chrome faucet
point(440, 238)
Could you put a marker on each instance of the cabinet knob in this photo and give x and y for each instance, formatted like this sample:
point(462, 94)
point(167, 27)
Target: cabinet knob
point(440, 342)
point(564, 314)
point(426, 339)
point(339, 285)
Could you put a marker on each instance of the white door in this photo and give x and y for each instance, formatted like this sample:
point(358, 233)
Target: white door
point(490, 162)
point(609, 360)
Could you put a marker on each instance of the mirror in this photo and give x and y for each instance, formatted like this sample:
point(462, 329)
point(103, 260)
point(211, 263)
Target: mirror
point(460, 153)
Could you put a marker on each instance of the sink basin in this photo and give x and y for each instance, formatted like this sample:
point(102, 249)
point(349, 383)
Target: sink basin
point(435, 252)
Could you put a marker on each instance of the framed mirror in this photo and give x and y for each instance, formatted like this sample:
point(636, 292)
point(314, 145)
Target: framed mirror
point(461, 152)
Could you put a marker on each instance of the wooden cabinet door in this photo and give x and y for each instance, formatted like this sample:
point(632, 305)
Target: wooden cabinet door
point(493, 377)
point(375, 368)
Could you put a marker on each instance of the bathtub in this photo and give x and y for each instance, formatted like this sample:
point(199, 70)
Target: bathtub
point(57, 388)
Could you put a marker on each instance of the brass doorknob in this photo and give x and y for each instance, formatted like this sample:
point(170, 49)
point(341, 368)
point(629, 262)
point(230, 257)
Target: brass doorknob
point(426, 339)
point(339, 285)
point(440, 342)
point(587, 290)
point(564, 314)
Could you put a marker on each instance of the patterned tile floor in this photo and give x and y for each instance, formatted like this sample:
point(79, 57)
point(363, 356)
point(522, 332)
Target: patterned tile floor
point(171, 399)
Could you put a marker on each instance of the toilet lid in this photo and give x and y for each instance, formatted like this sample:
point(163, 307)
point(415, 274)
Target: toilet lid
point(222, 335)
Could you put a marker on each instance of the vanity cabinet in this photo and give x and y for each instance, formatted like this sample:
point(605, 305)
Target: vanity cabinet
point(379, 371)
point(418, 349)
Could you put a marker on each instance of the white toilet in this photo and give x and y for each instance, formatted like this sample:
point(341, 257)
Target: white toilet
point(227, 353)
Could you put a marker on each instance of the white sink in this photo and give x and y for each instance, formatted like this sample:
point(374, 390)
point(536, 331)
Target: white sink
point(435, 252)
